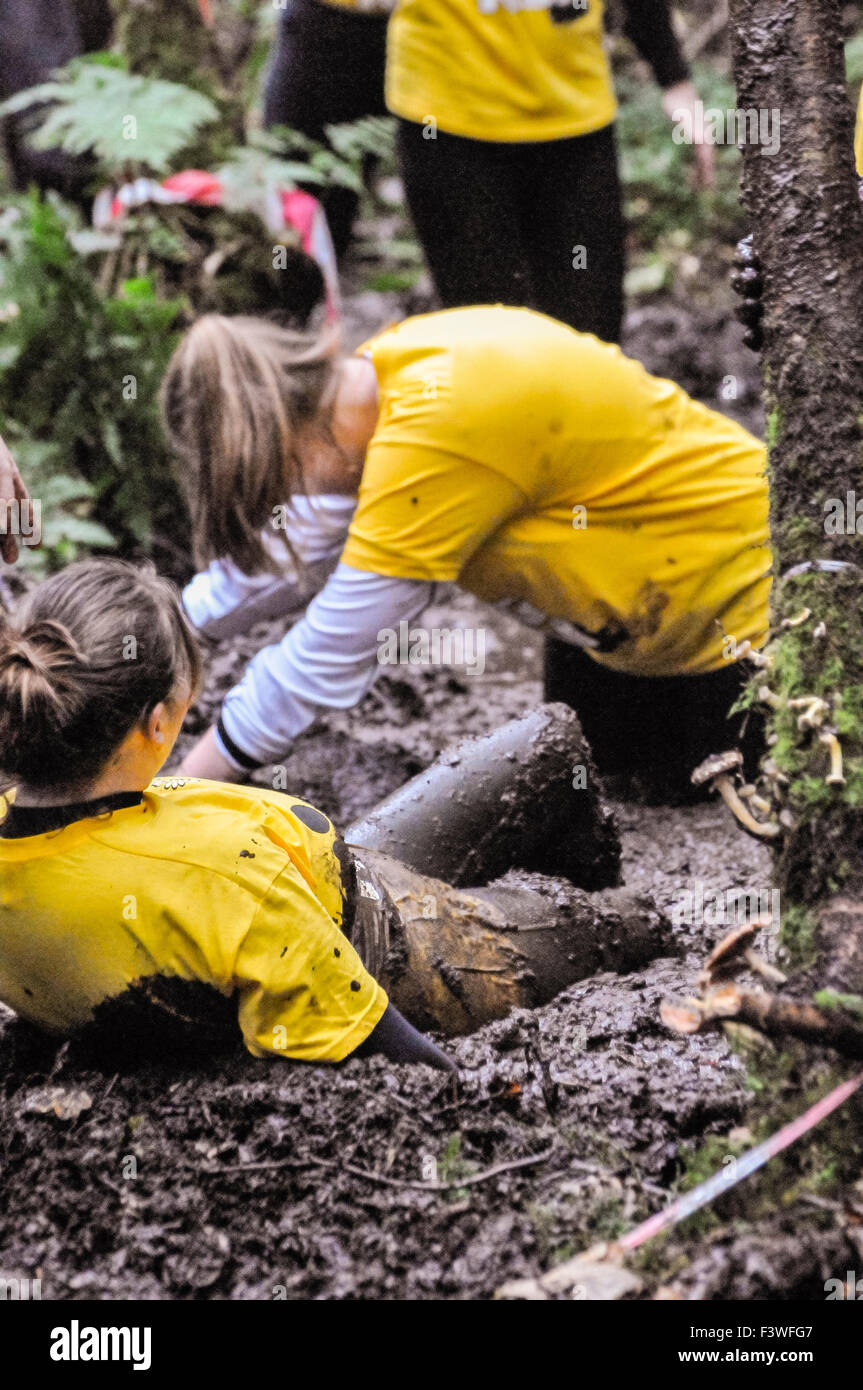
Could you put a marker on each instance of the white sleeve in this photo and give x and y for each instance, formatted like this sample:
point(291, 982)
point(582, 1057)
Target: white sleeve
point(222, 601)
point(329, 659)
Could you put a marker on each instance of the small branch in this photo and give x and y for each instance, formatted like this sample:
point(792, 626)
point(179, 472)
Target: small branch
point(768, 1014)
point(779, 1018)
point(380, 1178)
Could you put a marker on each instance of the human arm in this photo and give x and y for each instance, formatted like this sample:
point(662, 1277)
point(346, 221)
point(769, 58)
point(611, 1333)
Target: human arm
point(221, 601)
point(12, 489)
point(649, 26)
point(329, 659)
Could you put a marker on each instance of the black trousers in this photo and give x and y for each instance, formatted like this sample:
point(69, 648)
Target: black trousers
point(327, 69)
point(653, 729)
point(37, 36)
point(536, 224)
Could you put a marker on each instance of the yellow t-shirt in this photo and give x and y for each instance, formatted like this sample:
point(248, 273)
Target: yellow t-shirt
point(201, 881)
point(539, 466)
point(858, 136)
point(498, 69)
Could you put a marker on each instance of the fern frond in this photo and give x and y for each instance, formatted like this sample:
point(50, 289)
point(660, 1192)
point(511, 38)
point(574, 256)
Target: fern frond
point(119, 117)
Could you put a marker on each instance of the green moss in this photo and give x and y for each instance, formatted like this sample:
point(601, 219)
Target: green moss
point(828, 830)
point(829, 999)
point(821, 853)
point(799, 927)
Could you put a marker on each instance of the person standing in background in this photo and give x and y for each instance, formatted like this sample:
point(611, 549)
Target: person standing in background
point(37, 36)
point(507, 148)
point(328, 69)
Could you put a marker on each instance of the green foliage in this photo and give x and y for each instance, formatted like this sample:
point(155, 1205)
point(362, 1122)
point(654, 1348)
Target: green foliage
point(799, 928)
point(123, 119)
point(253, 171)
point(341, 160)
point(371, 135)
point(80, 370)
point(90, 317)
point(671, 221)
point(854, 60)
point(829, 999)
point(453, 1166)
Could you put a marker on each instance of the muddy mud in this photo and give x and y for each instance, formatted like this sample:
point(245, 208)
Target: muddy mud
point(225, 1177)
point(232, 1178)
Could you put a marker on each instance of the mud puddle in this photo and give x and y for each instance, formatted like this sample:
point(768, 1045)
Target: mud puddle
point(231, 1178)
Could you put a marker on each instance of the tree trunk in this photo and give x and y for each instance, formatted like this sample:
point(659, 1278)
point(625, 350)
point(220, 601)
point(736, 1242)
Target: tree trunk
point(808, 233)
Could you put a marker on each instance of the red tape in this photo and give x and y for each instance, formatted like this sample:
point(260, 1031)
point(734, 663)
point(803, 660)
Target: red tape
point(741, 1168)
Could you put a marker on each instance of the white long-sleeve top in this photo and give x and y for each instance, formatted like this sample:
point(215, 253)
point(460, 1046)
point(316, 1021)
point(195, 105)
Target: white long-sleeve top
point(329, 658)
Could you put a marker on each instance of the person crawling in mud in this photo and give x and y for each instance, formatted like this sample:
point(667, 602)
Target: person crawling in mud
point(495, 448)
point(144, 902)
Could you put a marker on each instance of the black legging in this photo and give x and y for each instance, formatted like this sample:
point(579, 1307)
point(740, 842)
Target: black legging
point(37, 36)
point(503, 223)
point(653, 728)
point(327, 69)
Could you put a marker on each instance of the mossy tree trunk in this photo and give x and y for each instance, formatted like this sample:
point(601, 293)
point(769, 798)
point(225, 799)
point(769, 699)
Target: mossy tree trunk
point(808, 231)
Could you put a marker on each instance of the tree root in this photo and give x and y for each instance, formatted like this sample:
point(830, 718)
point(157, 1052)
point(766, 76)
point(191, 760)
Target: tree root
point(769, 1014)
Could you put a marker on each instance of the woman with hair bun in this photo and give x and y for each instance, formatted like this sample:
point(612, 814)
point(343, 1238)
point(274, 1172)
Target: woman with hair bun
point(157, 901)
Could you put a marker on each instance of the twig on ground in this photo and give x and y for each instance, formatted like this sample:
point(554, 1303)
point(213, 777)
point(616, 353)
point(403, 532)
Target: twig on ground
point(768, 1014)
point(470, 1181)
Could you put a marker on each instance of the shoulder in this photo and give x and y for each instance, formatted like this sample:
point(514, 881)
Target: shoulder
point(246, 835)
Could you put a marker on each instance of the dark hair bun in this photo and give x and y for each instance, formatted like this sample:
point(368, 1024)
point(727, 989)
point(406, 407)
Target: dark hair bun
point(38, 692)
point(74, 683)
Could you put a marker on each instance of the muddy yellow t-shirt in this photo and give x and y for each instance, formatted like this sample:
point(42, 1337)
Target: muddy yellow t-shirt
point(543, 469)
point(233, 886)
point(499, 69)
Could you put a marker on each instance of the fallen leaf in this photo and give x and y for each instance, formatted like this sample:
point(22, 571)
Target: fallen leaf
point(66, 1104)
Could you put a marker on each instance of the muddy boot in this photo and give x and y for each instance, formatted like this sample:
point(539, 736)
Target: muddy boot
point(452, 960)
point(523, 797)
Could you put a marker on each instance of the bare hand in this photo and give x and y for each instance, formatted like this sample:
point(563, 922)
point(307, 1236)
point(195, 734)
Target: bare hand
point(683, 98)
point(11, 489)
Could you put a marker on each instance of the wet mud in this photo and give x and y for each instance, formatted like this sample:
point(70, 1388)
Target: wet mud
point(226, 1177)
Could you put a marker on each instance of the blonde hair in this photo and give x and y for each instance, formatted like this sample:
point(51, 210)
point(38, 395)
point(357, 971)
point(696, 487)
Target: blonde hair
point(84, 659)
point(237, 395)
